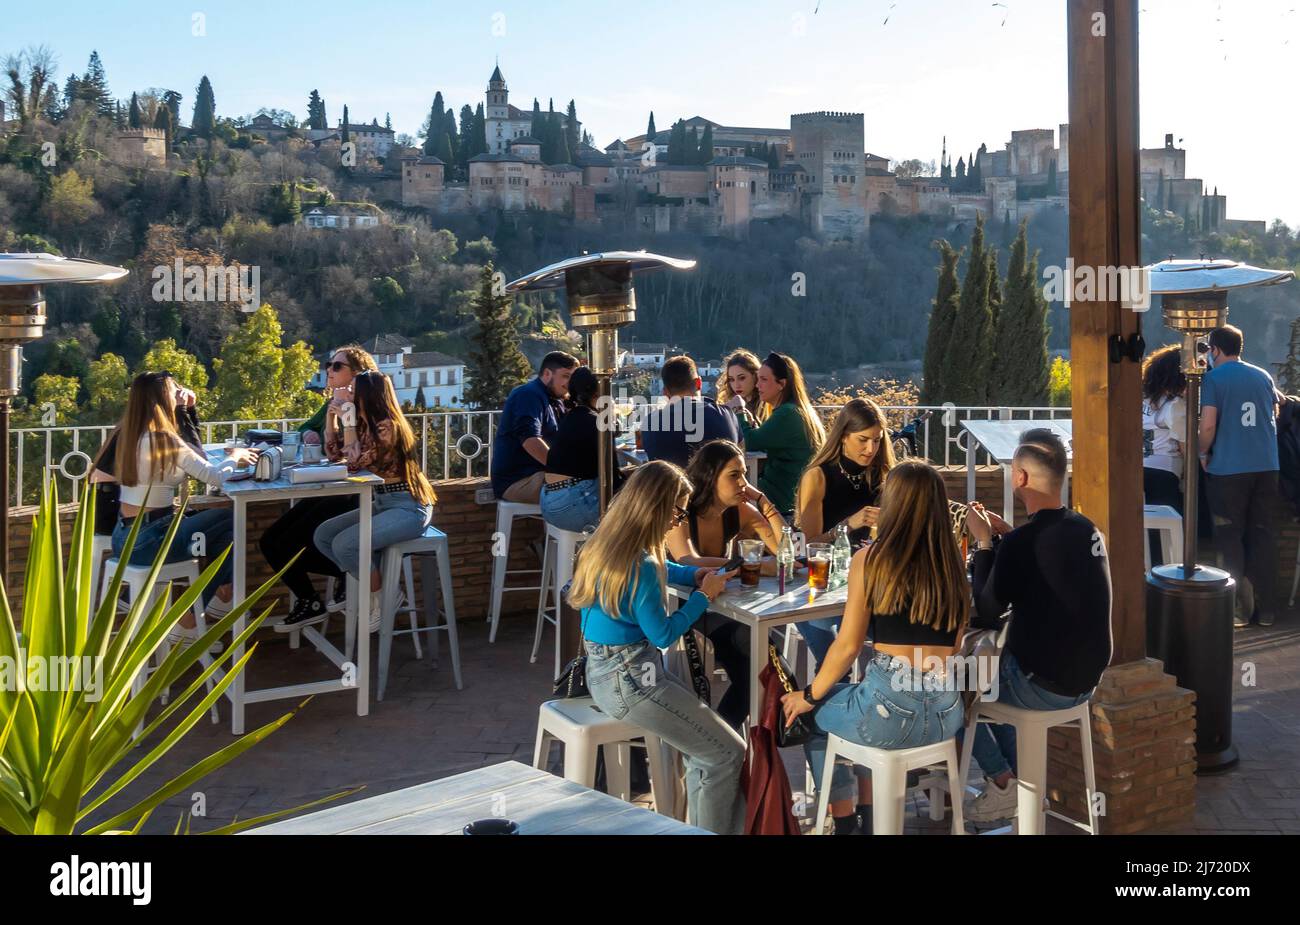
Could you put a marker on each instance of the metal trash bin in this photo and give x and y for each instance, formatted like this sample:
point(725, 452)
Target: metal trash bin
point(1189, 628)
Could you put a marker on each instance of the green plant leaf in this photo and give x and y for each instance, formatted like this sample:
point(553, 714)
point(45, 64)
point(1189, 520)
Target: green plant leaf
point(242, 825)
point(58, 810)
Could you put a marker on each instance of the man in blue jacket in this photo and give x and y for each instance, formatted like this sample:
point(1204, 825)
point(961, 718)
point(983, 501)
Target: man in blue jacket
point(530, 418)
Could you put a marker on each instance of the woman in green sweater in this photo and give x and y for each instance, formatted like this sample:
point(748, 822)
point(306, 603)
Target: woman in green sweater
point(789, 436)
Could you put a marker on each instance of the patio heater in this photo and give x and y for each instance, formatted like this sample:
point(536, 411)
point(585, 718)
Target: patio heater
point(23, 278)
point(1189, 606)
point(601, 300)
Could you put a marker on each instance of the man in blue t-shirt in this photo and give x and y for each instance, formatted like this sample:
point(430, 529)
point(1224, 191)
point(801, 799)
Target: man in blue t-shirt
point(1238, 442)
point(529, 418)
point(674, 431)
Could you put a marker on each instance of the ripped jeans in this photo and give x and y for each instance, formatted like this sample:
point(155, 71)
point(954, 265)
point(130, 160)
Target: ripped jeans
point(874, 712)
point(629, 682)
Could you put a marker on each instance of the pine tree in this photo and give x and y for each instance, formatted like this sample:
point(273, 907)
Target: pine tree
point(172, 100)
point(495, 363)
point(1019, 375)
point(650, 129)
point(968, 357)
point(1288, 371)
point(316, 111)
point(706, 145)
point(205, 110)
point(94, 88)
point(133, 116)
point(943, 311)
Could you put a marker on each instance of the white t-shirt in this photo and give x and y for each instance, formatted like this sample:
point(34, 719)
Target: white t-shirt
point(163, 492)
point(1164, 427)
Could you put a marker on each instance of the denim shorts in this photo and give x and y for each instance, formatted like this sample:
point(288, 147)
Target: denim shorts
point(574, 507)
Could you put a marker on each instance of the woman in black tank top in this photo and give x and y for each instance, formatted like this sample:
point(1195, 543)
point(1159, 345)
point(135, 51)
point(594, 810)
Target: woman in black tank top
point(723, 508)
point(911, 584)
point(843, 480)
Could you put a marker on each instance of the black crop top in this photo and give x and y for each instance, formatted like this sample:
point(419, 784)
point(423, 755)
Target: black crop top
point(897, 629)
point(842, 498)
point(730, 530)
point(575, 446)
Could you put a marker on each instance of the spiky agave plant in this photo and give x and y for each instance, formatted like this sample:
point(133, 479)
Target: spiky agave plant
point(59, 746)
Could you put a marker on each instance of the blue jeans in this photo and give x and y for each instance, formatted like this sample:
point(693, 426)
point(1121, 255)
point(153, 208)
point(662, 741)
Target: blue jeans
point(216, 524)
point(396, 517)
point(574, 507)
point(629, 683)
point(818, 635)
point(995, 743)
point(874, 713)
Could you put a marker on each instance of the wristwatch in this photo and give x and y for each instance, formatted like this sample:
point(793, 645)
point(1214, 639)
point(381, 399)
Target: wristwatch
point(808, 696)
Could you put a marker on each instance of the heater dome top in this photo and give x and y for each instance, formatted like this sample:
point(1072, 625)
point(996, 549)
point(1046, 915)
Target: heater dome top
point(40, 269)
point(615, 262)
point(1176, 277)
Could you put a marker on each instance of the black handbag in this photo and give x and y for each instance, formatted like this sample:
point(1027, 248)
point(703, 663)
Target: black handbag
point(572, 681)
point(801, 730)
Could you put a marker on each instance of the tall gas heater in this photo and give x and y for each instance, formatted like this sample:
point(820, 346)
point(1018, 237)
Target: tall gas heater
point(1189, 606)
point(23, 278)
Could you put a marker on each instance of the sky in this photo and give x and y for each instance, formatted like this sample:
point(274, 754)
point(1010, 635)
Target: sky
point(1218, 74)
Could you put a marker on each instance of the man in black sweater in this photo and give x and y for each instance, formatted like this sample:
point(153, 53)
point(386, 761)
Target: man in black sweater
point(1054, 575)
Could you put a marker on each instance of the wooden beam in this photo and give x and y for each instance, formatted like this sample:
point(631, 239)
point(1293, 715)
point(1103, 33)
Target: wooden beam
point(1105, 225)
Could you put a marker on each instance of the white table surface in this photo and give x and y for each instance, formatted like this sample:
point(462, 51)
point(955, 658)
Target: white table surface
point(541, 803)
point(1000, 439)
point(761, 608)
point(353, 675)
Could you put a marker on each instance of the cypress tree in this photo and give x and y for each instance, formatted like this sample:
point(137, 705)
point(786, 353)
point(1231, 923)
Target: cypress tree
point(692, 151)
point(706, 146)
point(388, 121)
point(961, 174)
point(480, 131)
point(1020, 371)
point(133, 115)
point(995, 288)
point(943, 310)
point(495, 363)
point(205, 110)
point(1051, 179)
point(163, 120)
point(315, 111)
point(650, 128)
point(345, 136)
point(968, 357)
point(571, 138)
point(677, 143)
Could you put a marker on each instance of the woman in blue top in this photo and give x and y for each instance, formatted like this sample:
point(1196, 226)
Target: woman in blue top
point(619, 584)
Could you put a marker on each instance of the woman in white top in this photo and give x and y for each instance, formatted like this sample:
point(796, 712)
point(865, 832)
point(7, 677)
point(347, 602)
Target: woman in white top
point(152, 460)
point(1164, 428)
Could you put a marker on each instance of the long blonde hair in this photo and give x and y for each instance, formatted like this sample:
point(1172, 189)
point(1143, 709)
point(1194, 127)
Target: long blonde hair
point(149, 411)
point(914, 562)
point(854, 417)
point(796, 393)
point(377, 402)
point(637, 522)
point(747, 361)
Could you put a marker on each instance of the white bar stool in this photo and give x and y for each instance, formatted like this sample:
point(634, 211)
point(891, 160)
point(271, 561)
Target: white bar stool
point(507, 511)
point(557, 571)
point(397, 559)
point(1031, 759)
point(583, 728)
point(101, 548)
point(1170, 524)
point(135, 578)
point(889, 767)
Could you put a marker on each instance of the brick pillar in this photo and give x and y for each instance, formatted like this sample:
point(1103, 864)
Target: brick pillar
point(1144, 752)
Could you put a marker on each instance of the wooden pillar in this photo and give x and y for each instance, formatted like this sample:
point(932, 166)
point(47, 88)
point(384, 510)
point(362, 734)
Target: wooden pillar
point(1143, 724)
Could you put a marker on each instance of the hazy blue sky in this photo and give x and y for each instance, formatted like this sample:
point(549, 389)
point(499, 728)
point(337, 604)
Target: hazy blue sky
point(1219, 75)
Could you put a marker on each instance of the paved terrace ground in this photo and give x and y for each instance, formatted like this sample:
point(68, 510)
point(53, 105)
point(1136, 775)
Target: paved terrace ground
point(425, 729)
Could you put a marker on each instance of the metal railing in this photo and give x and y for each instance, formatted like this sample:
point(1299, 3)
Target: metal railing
point(454, 444)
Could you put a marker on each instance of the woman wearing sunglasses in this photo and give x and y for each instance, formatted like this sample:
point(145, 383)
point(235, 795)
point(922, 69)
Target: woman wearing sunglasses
point(292, 534)
point(374, 436)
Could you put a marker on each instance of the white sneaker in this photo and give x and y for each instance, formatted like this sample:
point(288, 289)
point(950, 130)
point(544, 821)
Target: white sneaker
point(217, 608)
point(992, 804)
point(184, 635)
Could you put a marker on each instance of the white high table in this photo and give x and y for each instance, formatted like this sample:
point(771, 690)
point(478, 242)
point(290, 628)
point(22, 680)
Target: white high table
point(541, 803)
point(762, 609)
point(1000, 439)
point(354, 675)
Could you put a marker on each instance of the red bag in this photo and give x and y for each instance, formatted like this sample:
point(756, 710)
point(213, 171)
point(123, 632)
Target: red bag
point(768, 798)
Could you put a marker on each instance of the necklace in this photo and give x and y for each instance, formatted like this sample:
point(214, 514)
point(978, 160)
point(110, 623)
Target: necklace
point(858, 480)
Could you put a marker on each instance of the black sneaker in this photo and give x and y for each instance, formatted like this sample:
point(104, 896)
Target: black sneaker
point(306, 612)
point(339, 599)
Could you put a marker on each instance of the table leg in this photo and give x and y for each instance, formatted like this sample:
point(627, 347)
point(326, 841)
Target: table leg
point(364, 553)
point(757, 659)
point(970, 467)
point(1008, 496)
point(240, 581)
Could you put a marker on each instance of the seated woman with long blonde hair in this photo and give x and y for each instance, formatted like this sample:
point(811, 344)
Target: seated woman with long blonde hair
point(909, 588)
point(619, 584)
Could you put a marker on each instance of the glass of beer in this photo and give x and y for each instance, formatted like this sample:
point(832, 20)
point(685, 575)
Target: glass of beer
point(751, 556)
point(819, 565)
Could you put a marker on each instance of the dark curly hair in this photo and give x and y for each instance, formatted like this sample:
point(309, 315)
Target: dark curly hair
point(1162, 374)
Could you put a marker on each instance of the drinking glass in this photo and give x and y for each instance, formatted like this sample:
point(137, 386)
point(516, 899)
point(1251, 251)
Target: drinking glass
point(751, 554)
point(819, 565)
